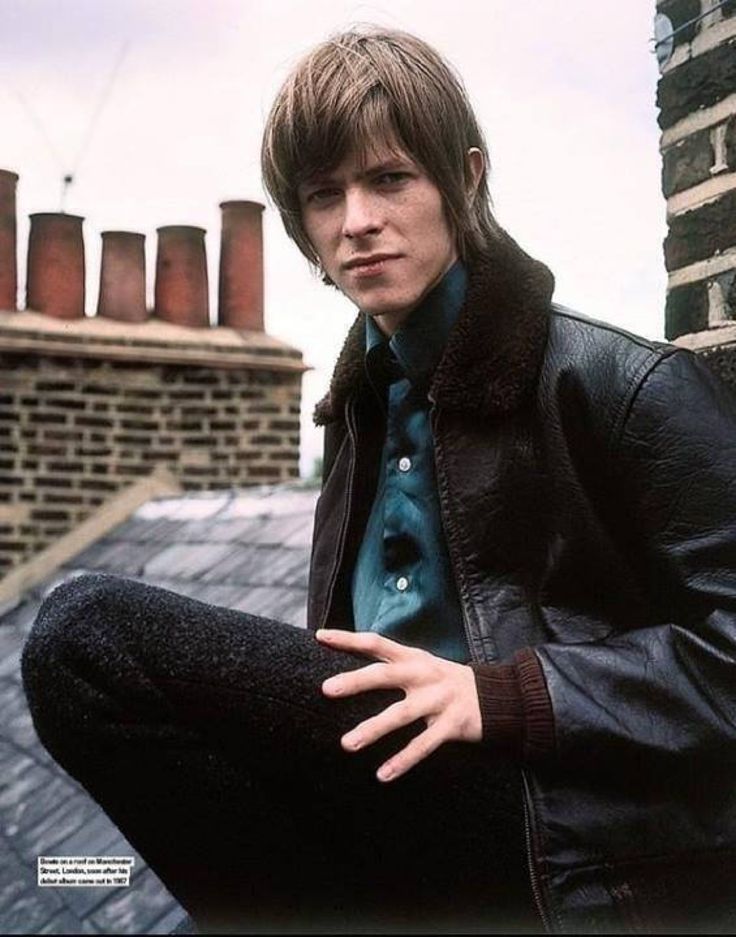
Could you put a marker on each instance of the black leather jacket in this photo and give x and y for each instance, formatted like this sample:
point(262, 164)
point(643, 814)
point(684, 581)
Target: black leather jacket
point(587, 482)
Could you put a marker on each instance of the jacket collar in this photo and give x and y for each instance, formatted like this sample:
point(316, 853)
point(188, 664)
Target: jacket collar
point(494, 351)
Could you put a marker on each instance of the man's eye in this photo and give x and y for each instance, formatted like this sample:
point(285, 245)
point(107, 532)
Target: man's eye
point(322, 195)
point(392, 178)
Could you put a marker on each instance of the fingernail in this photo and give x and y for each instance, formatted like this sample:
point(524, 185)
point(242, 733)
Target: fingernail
point(385, 773)
point(332, 686)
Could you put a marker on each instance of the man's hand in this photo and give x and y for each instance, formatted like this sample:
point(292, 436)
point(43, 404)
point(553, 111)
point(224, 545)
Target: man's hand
point(439, 691)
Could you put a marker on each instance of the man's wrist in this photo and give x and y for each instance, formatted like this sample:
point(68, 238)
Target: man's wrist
point(515, 707)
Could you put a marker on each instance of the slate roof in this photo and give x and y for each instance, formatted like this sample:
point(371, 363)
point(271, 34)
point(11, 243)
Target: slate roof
point(244, 549)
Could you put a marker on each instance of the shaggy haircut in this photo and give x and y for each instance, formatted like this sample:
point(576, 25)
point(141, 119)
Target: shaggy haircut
point(369, 88)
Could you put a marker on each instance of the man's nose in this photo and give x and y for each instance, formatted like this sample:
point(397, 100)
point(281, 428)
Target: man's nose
point(362, 214)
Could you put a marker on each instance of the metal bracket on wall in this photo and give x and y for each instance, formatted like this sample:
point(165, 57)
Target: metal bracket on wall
point(664, 32)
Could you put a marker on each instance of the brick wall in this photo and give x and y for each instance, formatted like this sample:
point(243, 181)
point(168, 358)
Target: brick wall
point(697, 100)
point(74, 431)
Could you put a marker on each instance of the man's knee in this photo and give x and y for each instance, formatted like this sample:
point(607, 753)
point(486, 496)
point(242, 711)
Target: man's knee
point(59, 654)
point(66, 617)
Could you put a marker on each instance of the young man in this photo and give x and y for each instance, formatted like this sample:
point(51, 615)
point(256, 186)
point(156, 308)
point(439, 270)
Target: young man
point(519, 711)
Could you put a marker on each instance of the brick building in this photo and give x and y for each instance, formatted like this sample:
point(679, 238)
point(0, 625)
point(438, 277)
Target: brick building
point(90, 403)
point(697, 101)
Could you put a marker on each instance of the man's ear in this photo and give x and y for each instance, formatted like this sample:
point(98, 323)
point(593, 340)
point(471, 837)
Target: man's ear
point(476, 164)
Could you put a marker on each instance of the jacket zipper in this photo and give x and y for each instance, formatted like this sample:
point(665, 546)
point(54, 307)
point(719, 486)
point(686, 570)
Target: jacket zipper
point(350, 421)
point(533, 876)
point(526, 794)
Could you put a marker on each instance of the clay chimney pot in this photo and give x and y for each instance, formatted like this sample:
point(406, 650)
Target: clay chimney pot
point(241, 266)
point(123, 277)
point(8, 245)
point(55, 282)
point(181, 294)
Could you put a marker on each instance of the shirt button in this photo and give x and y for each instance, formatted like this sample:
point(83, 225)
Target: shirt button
point(404, 464)
point(402, 583)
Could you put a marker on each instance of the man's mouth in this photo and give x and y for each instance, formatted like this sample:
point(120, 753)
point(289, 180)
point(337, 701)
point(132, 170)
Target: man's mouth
point(369, 265)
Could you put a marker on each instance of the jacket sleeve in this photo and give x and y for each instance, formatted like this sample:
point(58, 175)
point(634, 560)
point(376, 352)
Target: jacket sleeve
point(668, 689)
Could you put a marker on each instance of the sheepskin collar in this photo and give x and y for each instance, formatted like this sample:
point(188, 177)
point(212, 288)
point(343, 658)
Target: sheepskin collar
point(493, 353)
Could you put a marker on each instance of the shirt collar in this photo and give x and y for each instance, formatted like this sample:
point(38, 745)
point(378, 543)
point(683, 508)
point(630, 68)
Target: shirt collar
point(419, 343)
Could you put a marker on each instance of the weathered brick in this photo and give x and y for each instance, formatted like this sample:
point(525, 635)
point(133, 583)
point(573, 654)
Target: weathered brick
point(701, 82)
point(54, 386)
point(222, 425)
point(203, 378)
point(183, 426)
point(45, 417)
point(699, 234)
point(209, 471)
point(197, 440)
point(198, 410)
point(63, 434)
point(66, 403)
point(265, 408)
point(135, 408)
point(89, 419)
point(100, 484)
point(133, 470)
point(90, 450)
point(289, 425)
point(67, 467)
point(53, 481)
point(46, 515)
point(687, 163)
point(130, 439)
point(686, 309)
point(99, 390)
point(151, 455)
point(62, 497)
point(263, 471)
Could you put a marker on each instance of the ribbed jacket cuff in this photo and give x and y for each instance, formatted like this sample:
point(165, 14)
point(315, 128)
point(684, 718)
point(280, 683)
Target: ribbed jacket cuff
point(515, 706)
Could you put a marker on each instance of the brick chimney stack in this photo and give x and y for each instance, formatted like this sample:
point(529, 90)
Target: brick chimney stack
point(181, 292)
point(241, 266)
point(55, 283)
point(123, 277)
point(8, 256)
point(88, 404)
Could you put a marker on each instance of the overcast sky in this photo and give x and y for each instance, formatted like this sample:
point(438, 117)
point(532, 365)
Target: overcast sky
point(565, 92)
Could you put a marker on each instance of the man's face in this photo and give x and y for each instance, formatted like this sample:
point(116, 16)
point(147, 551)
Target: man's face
point(380, 232)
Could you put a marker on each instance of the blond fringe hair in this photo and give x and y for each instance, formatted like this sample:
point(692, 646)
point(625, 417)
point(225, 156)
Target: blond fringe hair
point(364, 89)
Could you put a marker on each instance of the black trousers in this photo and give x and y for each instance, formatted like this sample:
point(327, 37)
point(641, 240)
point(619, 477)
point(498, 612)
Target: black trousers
point(203, 733)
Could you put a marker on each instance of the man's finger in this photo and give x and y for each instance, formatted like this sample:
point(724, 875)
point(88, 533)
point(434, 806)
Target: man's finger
point(364, 642)
point(379, 676)
point(395, 716)
point(417, 750)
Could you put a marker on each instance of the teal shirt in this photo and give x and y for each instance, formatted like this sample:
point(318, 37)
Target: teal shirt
point(402, 583)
